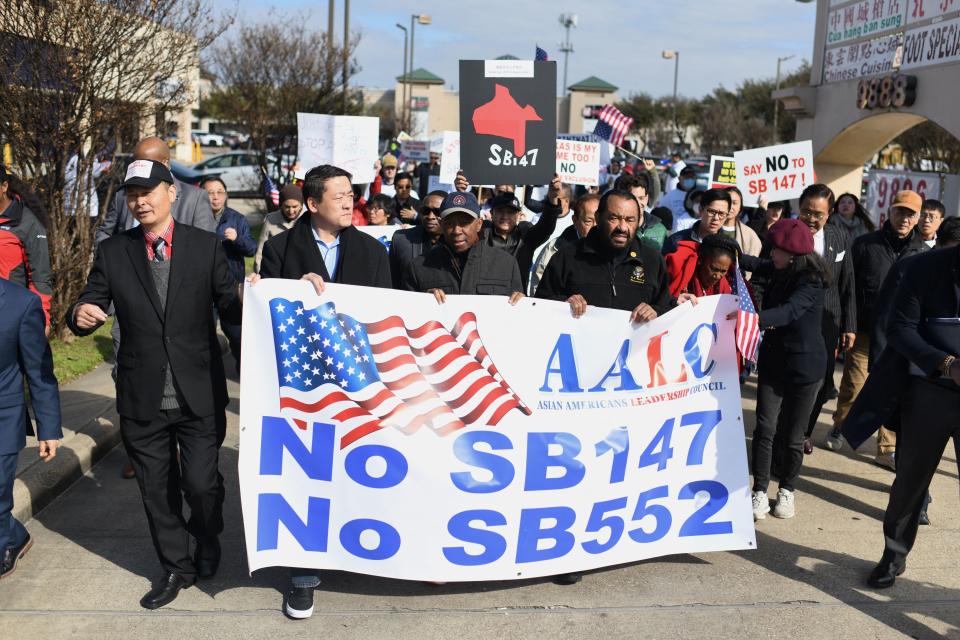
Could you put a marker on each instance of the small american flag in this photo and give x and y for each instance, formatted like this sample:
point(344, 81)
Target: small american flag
point(367, 376)
point(748, 330)
point(612, 125)
point(541, 55)
point(270, 188)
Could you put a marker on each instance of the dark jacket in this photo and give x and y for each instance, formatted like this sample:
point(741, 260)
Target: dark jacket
point(873, 255)
point(409, 203)
point(523, 241)
point(792, 350)
point(883, 307)
point(236, 250)
point(839, 300)
point(488, 271)
point(25, 353)
point(407, 245)
point(930, 288)
point(878, 403)
point(24, 252)
point(192, 207)
point(292, 254)
point(621, 280)
point(180, 334)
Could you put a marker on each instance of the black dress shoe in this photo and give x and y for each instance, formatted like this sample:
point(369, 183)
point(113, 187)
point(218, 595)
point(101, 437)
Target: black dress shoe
point(207, 558)
point(884, 575)
point(924, 518)
point(165, 591)
point(12, 555)
point(568, 578)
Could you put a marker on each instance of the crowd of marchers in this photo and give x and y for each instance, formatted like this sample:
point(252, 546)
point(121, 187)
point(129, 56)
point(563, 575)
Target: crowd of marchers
point(826, 281)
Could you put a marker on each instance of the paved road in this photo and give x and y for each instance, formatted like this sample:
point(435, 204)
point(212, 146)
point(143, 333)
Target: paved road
point(93, 561)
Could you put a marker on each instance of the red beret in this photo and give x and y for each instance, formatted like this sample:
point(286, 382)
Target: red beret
point(792, 236)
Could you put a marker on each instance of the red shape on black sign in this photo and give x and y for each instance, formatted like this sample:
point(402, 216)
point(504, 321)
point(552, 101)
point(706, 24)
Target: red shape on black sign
point(504, 118)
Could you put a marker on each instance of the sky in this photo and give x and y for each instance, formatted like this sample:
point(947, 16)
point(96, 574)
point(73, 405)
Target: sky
point(721, 42)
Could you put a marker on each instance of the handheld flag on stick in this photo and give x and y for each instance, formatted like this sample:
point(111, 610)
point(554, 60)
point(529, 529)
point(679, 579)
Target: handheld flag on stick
point(748, 330)
point(612, 126)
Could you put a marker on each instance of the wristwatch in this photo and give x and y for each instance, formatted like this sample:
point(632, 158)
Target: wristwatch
point(946, 365)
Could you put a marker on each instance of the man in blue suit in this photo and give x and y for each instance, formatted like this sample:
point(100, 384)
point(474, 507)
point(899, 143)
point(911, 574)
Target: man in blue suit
point(24, 351)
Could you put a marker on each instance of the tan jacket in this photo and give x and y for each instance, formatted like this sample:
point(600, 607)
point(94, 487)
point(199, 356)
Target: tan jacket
point(273, 225)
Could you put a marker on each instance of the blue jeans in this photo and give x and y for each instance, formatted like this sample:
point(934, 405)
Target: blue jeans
point(304, 578)
point(12, 533)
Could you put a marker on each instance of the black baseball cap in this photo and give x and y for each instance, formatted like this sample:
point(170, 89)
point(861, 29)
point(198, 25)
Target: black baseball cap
point(146, 173)
point(505, 200)
point(464, 202)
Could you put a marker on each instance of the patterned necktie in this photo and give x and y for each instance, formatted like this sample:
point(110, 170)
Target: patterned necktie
point(158, 250)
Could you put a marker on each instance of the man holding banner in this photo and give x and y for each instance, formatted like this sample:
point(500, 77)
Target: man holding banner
point(611, 267)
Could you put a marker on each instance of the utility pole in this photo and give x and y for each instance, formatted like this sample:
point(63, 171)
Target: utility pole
point(667, 54)
point(403, 76)
point(776, 103)
point(346, 54)
point(567, 20)
point(330, 24)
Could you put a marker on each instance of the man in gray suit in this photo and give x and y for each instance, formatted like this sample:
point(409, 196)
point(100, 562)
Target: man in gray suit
point(191, 207)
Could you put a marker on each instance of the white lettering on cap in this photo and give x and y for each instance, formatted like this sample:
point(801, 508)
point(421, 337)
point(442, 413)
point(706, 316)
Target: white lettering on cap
point(139, 169)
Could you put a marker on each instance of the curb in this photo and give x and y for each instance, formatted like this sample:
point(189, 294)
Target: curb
point(40, 483)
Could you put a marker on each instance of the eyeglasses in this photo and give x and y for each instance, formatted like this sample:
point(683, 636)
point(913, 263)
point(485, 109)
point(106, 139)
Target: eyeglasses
point(811, 215)
point(434, 210)
point(930, 215)
point(715, 213)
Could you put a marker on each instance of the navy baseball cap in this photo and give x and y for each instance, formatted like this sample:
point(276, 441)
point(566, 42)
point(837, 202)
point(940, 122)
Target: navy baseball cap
point(460, 201)
point(146, 173)
point(505, 200)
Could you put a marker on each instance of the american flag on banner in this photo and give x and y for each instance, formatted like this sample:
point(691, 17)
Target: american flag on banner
point(748, 330)
point(368, 376)
point(270, 188)
point(612, 125)
point(541, 55)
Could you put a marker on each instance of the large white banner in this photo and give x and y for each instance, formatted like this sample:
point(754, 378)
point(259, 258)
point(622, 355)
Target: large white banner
point(382, 433)
point(348, 142)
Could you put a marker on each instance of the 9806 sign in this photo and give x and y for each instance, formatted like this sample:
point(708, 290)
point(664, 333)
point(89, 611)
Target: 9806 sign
point(886, 91)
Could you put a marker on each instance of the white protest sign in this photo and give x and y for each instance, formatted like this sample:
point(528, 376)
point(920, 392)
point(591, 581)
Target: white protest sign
point(418, 150)
point(383, 233)
point(384, 434)
point(589, 137)
point(348, 142)
point(883, 185)
point(450, 157)
point(578, 162)
point(780, 172)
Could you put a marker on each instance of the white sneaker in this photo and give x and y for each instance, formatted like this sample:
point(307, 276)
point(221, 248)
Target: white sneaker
point(785, 507)
point(761, 505)
point(834, 441)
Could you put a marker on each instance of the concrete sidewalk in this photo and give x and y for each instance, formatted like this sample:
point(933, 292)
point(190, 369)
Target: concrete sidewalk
point(93, 560)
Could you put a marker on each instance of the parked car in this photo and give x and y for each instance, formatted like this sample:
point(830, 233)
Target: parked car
point(234, 139)
point(207, 139)
point(239, 170)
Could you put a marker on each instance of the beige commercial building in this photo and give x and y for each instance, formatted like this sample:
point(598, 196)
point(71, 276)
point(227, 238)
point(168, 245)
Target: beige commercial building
point(879, 68)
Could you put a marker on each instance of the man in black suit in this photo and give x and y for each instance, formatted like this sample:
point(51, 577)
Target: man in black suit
point(170, 380)
point(410, 244)
point(924, 328)
point(323, 247)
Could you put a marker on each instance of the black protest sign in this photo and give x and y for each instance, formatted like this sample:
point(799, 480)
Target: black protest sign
point(508, 121)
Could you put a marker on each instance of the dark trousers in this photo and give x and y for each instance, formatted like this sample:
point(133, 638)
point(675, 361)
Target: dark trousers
point(152, 447)
point(783, 410)
point(12, 532)
point(232, 331)
point(831, 338)
point(930, 417)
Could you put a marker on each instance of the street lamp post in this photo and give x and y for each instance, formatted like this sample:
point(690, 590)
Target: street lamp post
point(403, 76)
point(776, 103)
point(667, 55)
point(415, 19)
point(567, 20)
